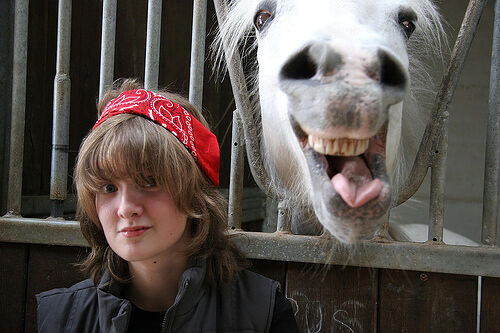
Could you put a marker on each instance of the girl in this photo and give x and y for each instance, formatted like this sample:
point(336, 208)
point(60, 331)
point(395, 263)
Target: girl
point(146, 178)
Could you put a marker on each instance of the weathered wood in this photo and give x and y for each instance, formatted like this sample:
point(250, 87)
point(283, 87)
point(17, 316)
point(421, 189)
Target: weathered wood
point(426, 302)
point(490, 305)
point(275, 270)
point(340, 299)
point(13, 273)
point(50, 267)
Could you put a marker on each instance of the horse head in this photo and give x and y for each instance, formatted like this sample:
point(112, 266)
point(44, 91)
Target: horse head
point(332, 78)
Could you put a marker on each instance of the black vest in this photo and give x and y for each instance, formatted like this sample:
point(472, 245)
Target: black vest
point(244, 305)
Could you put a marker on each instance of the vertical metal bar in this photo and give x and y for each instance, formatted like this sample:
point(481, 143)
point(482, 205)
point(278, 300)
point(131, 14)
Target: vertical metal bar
point(107, 46)
point(60, 124)
point(197, 53)
point(249, 115)
point(443, 98)
point(153, 45)
point(18, 107)
point(236, 173)
point(284, 220)
point(438, 180)
point(492, 160)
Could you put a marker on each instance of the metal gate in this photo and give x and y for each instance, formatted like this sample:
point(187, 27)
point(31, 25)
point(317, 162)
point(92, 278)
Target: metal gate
point(432, 256)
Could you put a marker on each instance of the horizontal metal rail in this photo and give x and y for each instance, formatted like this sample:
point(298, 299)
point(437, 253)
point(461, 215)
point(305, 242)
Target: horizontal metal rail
point(41, 231)
point(427, 257)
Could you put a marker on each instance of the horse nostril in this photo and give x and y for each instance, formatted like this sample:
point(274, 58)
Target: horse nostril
point(317, 58)
point(391, 73)
point(299, 66)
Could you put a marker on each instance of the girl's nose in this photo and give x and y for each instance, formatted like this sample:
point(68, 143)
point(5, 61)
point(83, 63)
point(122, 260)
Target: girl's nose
point(130, 204)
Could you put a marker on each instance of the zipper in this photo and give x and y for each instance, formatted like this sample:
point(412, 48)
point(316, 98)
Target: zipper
point(180, 294)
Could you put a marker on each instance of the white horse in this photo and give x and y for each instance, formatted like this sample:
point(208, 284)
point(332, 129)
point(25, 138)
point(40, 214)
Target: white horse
point(337, 81)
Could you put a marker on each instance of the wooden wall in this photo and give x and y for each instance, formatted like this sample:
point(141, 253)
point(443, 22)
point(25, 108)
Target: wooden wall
point(334, 299)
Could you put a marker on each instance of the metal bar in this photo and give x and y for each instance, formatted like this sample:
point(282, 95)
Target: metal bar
point(153, 45)
point(492, 161)
point(286, 247)
point(60, 122)
point(107, 46)
point(41, 231)
point(393, 255)
point(197, 53)
point(249, 116)
point(284, 221)
point(236, 174)
point(445, 93)
point(15, 181)
point(438, 182)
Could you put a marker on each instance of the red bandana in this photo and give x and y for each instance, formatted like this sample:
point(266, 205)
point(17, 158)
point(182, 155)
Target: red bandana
point(199, 141)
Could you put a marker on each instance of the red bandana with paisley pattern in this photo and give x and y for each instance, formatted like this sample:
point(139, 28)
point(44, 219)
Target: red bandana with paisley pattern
point(199, 141)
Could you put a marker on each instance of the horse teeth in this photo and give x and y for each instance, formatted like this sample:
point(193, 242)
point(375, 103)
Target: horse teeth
point(329, 145)
point(335, 147)
point(318, 145)
point(339, 147)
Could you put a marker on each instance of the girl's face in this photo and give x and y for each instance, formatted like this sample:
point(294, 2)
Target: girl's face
point(140, 223)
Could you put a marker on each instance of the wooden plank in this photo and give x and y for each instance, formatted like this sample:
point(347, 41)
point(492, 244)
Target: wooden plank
point(340, 299)
point(490, 305)
point(50, 267)
point(275, 270)
point(42, 43)
point(427, 302)
point(13, 271)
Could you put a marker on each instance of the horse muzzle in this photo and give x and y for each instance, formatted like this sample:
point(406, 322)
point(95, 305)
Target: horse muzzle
point(338, 108)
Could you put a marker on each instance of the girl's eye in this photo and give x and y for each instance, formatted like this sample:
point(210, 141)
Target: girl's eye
point(150, 183)
point(408, 27)
point(261, 18)
point(109, 188)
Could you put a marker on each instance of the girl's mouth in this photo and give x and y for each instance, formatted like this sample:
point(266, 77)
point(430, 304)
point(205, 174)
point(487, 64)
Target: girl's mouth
point(136, 231)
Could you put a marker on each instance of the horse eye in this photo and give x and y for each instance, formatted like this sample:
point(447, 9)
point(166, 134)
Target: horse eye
point(408, 27)
point(261, 18)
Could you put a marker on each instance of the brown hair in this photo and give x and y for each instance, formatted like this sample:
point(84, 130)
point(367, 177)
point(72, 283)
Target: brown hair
point(130, 146)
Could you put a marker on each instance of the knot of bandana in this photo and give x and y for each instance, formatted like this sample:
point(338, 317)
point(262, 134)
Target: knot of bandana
point(199, 141)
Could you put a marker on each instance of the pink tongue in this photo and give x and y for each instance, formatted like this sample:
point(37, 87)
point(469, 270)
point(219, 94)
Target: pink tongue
point(357, 192)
